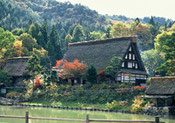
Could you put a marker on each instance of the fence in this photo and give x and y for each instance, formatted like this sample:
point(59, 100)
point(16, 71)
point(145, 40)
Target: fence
point(87, 120)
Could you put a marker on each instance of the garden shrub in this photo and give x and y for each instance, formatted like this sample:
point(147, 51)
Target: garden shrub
point(137, 105)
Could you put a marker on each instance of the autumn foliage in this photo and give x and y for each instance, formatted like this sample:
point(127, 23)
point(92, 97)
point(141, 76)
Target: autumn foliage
point(37, 82)
point(73, 69)
point(140, 88)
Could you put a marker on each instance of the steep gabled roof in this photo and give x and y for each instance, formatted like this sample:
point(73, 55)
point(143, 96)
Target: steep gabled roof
point(16, 66)
point(161, 86)
point(99, 52)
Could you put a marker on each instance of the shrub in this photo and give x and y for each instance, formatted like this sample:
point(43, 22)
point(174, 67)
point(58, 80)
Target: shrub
point(137, 105)
point(114, 105)
point(13, 95)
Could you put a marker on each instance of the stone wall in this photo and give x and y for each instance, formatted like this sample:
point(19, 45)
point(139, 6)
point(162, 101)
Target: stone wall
point(163, 111)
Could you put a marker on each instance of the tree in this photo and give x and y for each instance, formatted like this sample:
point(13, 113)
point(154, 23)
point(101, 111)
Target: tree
point(137, 21)
point(108, 31)
point(92, 75)
point(34, 67)
point(94, 35)
point(120, 29)
point(73, 69)
point(165, 43)
point(18, 31)
point(78, 33)
point(68, 39)
point(114, 68)
point(34, 29)
point(54, 49)
point(144, 36)
point(28, 41)
point(152, 21)
point(44, 30)
point(7, 40)
point(152, 60)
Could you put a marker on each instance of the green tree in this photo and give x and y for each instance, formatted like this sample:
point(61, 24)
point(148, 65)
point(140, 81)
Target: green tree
point(94, 35)
point(152, 60)
point(120, 29)
point(165, 43)
point(114, 68)
point(28, 41)
point(44, 30)
point(152, 21)
point(7, 40)
point(137, 21)
point(78, 33)
point(68, 39)
point(54, 49)
point(34, 67)
point(18, 31)
point(92, 75)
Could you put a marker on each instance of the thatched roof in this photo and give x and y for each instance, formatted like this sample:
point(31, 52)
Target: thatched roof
point(16, 66)
point(161, 86)
point(99, 52)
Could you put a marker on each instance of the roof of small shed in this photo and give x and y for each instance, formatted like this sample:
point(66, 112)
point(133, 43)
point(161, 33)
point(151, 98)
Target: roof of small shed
point(161, 86)
point(16, 66)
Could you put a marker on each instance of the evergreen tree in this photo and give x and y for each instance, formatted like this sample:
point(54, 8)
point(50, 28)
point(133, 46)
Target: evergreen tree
point(78, 33)
point(137, 21)
point(92, 75)
point(44, 30)
point(54, 49)
point(152, 21)
point(68, 39)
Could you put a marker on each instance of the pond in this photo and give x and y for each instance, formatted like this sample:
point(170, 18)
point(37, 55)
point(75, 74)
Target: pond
point(70, 114)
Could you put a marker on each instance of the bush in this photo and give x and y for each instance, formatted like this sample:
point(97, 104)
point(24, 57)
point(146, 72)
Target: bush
point(114, 105)
point(137, 105)
point(13, 95)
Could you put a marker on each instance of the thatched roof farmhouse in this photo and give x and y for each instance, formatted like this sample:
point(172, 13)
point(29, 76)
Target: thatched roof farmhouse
point(162, 91)
point(99, 53)
point(16, 69)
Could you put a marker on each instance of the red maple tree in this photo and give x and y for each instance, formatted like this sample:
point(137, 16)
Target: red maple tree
point(73, 69)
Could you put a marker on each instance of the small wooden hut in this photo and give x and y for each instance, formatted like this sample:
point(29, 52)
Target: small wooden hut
point(162, 91)
point(99, 53)
point(16, 68)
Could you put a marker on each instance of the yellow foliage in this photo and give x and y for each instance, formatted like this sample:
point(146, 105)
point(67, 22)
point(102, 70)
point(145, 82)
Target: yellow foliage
point(137, 104)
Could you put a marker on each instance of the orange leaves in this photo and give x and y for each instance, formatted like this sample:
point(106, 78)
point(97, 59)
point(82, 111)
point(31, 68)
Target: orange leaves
point(37, 82)
point(58, 62)
point(71, 69)
point(140, 88)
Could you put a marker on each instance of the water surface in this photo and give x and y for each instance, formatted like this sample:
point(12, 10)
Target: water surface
point(70, 114)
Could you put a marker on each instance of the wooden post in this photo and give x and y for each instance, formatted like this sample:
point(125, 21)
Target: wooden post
point(87, 118)
point(157, 120)
point(27, 117)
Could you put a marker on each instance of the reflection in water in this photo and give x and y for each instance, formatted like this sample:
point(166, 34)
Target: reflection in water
point(70, 114)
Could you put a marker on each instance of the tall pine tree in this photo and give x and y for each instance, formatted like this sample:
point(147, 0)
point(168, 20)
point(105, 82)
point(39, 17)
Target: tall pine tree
point(54, 49)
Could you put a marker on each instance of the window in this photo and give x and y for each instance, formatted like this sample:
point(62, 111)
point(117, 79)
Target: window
point(136, 66)
point(123, 64)
point(126, 57)
point(133, 57)
point(129, 64)
point(129, 55)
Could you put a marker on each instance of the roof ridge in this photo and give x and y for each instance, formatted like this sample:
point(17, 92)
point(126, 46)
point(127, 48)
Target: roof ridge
point(107, 40)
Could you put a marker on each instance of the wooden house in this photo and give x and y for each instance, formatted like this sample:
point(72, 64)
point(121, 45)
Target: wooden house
point(161, 91)
point(99, 53)
point(16, 68)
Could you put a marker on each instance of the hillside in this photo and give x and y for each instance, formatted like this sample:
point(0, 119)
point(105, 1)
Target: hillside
point(17, 13)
